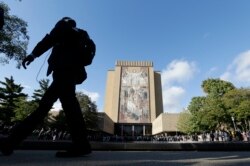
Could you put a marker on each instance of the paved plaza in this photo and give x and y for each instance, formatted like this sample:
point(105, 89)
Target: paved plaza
point(128, 158)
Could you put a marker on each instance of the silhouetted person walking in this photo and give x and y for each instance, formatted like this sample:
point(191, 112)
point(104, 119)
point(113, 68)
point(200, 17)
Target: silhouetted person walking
point(66, 62)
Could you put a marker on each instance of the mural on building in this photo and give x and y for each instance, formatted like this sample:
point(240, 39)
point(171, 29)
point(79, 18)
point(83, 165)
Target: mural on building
point(134, 95)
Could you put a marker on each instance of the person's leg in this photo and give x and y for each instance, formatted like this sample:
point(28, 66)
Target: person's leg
point(24, 128)
point(75, 120)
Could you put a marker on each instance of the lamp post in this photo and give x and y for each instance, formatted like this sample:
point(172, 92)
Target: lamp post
point(233, 123)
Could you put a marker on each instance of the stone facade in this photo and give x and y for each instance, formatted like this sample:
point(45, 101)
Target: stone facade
point(133, 98)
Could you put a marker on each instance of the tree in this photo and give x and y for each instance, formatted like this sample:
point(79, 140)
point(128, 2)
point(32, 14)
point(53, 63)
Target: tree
point(89, 111)
point(10, 94)
point(196, 104)
point(237, 101)
point(184, 122)
point(196, 109)
point(13, 38)
point(216, 87)
point(38, 93)
point(215, 114)
point(24, 109)
point(37, 96)
point(243, 114)
point(209, 112)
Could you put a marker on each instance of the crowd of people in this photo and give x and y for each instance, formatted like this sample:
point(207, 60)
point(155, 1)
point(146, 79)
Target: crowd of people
point(212, 136)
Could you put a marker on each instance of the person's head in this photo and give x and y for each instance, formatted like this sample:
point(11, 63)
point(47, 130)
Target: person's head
point(69, 21)
point(66, 21)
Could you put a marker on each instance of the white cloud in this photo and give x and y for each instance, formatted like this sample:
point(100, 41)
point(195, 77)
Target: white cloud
point(178, 71)
point(242, 66)
point(172, 97)
point(93, 95)
point(173, 77)
point(239, 70)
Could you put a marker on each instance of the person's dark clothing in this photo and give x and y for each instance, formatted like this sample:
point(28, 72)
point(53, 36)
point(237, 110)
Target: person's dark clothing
point(65, 56)
point(67, 72)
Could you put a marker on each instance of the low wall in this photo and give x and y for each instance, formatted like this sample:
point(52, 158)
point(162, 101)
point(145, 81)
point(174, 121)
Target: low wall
point(141, 146)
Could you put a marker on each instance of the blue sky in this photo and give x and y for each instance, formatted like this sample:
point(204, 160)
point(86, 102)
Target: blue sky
point(187, 40)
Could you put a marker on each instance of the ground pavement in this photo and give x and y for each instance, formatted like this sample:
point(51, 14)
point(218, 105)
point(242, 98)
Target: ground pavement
point(36, 153)
point(128, 158)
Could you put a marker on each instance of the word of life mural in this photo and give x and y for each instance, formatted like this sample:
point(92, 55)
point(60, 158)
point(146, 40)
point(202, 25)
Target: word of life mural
point(134, 95)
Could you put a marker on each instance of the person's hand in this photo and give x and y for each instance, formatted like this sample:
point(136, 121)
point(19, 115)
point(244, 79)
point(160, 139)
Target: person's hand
point(27, 60)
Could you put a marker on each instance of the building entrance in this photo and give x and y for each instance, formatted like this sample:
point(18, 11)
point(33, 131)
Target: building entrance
point(133, 130)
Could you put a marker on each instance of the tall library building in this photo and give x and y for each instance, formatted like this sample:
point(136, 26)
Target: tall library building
point(133, 102)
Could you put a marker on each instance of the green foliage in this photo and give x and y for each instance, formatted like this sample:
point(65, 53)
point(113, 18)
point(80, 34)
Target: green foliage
point(14, 105)
point(243, 111)
point(13, 38)
point(37, 96)
point(215, 113)
point(10, 95)
point(184, 122)
point(89, 111)
point(197, 103)
point(237, 102)
point(210, 112)
point(24, 109)
point(18, 107)
point(38, 93)
point(222, 102)
point(216, 87)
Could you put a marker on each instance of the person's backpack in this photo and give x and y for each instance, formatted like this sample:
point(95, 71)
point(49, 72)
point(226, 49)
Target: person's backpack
point(87, 47)
point(89, 51)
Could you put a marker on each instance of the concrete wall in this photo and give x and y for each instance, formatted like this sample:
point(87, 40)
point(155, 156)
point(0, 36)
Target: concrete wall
point(105, 123)
point(158, 94)
point(166, 122)
point(111, 102)
point(152, 101)
point(157, 125)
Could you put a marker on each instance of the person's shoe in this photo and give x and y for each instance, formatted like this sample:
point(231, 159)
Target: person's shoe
point(73, 153)
point(5, 147)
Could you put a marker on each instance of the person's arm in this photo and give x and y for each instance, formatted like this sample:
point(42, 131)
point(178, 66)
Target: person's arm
point(44, 45)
